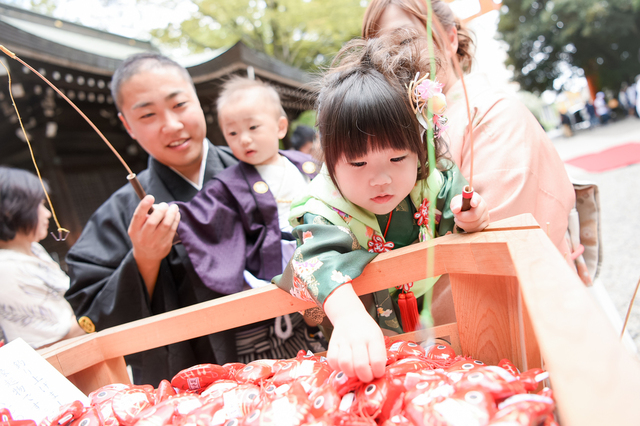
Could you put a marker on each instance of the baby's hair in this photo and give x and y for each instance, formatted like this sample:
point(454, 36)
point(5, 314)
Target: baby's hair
point(236, 84)
point(363, 103)
point(20, 195)
point(142, 62)
point(418, 8)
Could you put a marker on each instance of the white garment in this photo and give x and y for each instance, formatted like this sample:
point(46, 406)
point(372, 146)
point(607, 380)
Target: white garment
point(203, 166)
point(600, 104)
point(285, 183)
point(32, 303)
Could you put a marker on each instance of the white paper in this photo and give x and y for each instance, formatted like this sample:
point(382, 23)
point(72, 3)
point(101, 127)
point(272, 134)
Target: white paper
point(30, 387)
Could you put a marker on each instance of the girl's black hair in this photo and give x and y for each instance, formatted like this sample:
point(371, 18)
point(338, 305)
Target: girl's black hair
point(20, 195)
point(363, 103)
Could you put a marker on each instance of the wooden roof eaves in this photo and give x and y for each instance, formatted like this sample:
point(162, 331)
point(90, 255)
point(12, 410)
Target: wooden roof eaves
point(29, 16)
point(23, 43)
point(239, 57)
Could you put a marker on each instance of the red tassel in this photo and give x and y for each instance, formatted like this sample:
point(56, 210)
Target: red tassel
point(408, 311)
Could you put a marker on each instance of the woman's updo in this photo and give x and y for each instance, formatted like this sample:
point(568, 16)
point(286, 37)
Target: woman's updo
point(418, 8)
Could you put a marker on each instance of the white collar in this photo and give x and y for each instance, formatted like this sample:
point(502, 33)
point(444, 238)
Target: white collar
point(203, 166)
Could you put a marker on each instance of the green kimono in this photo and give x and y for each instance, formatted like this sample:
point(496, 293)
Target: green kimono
point(336, 240)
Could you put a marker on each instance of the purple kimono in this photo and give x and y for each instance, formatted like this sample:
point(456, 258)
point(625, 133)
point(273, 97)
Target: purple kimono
point(229, 226)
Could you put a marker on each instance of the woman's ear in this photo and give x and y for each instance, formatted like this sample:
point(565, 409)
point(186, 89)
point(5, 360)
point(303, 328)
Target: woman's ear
point(452, 38)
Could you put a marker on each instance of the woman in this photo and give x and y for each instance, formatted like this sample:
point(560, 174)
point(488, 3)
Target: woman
point(32, 303)
point(516, 168)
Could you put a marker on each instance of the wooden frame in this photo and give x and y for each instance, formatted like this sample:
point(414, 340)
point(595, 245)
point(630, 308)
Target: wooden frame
point(515, 297)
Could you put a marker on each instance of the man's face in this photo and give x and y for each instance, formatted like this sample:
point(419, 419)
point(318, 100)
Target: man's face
point(161, 111)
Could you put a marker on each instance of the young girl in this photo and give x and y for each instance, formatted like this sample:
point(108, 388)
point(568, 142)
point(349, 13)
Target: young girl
point(371, 197)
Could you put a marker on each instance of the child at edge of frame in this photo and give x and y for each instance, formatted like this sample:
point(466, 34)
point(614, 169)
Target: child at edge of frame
point(372, 196)
point(236, 230)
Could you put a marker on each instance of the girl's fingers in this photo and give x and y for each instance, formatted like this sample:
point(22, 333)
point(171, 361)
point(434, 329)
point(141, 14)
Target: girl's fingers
point(361, 363)
point(378, 360)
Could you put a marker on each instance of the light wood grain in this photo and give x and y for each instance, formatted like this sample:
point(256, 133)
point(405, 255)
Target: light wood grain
point(515, 297)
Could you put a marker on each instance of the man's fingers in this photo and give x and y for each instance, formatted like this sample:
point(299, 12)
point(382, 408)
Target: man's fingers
point(140, 213)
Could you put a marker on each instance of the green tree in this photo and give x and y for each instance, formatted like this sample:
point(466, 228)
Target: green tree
point(596, 38)
point(302, 33)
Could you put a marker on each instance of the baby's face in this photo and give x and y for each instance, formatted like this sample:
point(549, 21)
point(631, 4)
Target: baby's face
point(252, 126)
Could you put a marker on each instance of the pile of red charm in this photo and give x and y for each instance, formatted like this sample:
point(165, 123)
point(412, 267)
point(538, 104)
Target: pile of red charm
point(435, 387)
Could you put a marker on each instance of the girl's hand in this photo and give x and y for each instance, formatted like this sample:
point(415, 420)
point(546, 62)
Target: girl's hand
point(357, 343)
point(473, 220)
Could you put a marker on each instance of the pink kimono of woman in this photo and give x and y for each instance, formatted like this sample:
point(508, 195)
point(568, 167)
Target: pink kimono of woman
point(516, 168)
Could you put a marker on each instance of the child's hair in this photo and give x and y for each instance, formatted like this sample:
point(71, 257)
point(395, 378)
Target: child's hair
point(236, 84)
point(363, 103)
point(301, 136)
point(20, 195)
point(418, 8)
point(142, 62)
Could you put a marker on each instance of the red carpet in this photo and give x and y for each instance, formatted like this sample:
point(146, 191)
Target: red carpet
point(609, 159)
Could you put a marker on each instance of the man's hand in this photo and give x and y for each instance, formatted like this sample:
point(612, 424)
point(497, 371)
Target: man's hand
point(152, 237)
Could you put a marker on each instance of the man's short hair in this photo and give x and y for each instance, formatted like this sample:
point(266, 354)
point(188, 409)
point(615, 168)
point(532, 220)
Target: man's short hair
point(142, 62)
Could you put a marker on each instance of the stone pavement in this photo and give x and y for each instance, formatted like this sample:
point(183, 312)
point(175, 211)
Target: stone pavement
point(619, 217)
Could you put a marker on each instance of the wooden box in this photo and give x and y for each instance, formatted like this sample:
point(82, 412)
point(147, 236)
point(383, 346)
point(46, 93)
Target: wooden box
point(515, 297)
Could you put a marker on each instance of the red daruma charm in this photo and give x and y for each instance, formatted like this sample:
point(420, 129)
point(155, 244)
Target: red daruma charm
point(199, 376)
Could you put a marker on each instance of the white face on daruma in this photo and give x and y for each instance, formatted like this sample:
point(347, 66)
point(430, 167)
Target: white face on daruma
point(379, 180)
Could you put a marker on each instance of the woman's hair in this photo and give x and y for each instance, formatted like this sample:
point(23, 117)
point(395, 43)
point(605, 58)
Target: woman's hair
point(363, 104)
point(20, 195)
point(418, 8)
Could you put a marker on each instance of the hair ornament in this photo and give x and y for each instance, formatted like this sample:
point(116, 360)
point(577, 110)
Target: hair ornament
point(420, 91)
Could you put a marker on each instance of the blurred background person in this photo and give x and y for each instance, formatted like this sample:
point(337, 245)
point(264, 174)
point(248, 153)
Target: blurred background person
point(303, 139)
point(32, 303)
point(565, 122)
point(623, 100)
point(602, 109)
point(632, 96)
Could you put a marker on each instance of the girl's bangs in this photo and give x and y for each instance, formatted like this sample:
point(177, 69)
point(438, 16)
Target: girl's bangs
point(372, 117)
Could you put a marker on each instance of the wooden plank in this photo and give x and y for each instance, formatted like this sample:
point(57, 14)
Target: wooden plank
point(489, 320)
point(389, 269)
point(595, 379)
point(509, 282)
point(105, 372)
point(519, 222)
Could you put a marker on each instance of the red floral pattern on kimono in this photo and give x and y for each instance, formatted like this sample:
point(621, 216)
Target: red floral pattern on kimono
point(378, 245)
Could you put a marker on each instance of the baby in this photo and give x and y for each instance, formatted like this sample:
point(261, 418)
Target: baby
point(236, 230)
